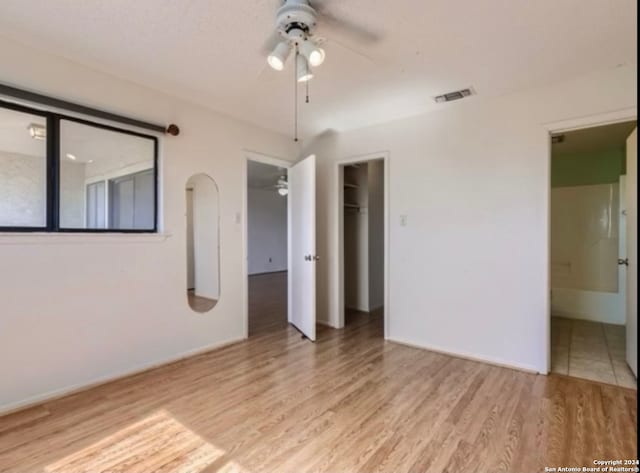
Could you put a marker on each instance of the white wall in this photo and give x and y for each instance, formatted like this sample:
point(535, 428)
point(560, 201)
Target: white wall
point(206, 255)
point(75, 309)
point(375, 177)
point(585, 239)
point(469, 272)
point(267, 228)
point(596, 306)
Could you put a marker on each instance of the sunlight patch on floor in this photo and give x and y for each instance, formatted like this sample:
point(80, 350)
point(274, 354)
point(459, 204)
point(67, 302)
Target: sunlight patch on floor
point(158, 442)
point(231, 467)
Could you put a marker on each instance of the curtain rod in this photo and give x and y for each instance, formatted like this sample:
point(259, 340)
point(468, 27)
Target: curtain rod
point(74, 107)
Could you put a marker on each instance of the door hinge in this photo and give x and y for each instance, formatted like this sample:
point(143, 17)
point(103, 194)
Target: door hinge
point(623, 261)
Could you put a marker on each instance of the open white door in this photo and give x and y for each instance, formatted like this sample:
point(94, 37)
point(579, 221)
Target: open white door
point(302, 246)
point(632, 251)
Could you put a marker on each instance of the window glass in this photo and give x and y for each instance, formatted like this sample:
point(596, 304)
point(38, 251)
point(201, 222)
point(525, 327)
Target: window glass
point(107, 179)
point(23, 169)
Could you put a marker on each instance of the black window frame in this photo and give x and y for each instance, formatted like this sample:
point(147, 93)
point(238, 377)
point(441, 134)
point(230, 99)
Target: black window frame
point(52, 184)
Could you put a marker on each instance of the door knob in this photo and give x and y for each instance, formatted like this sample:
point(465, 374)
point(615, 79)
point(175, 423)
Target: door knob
point(623, 261)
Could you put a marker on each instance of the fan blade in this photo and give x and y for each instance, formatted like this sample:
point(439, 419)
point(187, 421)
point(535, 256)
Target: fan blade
point(350, 49)
point(345, 28)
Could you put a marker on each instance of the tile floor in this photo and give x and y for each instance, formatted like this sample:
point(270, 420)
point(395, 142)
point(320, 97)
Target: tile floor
point(590, 350)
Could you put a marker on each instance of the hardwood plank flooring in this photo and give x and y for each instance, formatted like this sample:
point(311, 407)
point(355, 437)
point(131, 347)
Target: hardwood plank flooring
point(350, 402)
point(199, 303)
point(267, 302)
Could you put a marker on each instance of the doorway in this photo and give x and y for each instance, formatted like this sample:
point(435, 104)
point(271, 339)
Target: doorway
point(363, 243)
point(588, 245)
point(267, 246)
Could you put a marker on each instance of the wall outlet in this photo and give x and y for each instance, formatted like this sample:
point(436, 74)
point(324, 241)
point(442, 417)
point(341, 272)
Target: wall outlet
point(403, 220)
point(270, 260)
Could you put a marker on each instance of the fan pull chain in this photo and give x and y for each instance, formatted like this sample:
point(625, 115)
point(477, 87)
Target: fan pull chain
point(307, 86)
point(295, 98)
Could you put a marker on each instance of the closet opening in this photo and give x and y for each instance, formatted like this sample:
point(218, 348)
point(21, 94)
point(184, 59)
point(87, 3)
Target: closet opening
point(363, 238)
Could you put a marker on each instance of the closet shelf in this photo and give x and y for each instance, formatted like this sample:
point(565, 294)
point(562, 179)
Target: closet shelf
point(351, 186)
point(354, 206)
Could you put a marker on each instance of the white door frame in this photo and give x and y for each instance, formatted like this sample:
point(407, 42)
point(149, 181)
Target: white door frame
point(590, 121)
point(339, 225)
point(265, 159)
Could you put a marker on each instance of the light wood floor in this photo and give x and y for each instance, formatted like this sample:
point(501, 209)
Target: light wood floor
point(199, 303)
point(267, 302)
point(351, 402)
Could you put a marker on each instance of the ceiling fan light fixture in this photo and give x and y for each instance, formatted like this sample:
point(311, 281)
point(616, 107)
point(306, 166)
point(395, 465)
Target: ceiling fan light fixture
point(304, 73)
point(317, 57)
point(279, 55)
point(283, 191)
point(314, 54)
point(37, 131)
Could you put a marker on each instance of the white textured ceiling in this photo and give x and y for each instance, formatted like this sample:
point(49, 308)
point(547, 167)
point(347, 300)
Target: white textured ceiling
point(209, 51)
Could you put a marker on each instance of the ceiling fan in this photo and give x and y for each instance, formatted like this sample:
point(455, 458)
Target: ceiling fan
point(281, 186)
point(297, 25)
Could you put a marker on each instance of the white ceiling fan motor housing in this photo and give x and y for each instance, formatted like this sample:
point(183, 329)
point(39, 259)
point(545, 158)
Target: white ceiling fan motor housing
point(296, 14)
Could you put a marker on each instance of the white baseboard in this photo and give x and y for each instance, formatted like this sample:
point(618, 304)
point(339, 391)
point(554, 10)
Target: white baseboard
point(66, 391)
point(471, 357)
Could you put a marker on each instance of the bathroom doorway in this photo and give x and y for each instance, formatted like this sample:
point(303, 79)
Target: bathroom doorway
point(588, 274)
